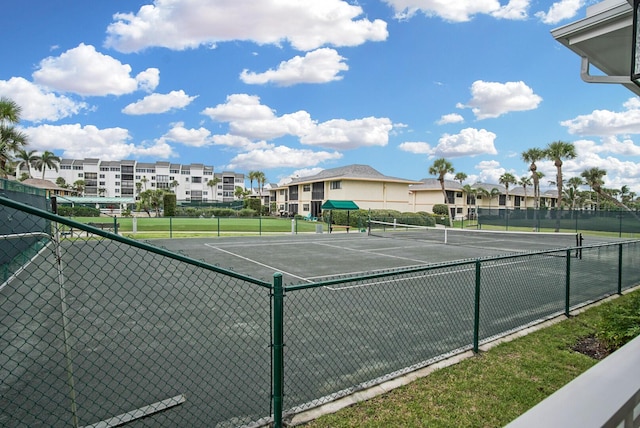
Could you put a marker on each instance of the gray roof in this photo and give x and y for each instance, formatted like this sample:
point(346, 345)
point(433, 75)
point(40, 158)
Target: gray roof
point(433, 183)
point(362, 172)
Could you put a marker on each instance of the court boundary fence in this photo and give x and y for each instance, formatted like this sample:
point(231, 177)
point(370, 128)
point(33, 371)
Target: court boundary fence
point(307, 332)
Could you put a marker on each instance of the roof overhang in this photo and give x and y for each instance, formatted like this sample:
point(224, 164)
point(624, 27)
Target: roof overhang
point(332, 204)
point(603, 39)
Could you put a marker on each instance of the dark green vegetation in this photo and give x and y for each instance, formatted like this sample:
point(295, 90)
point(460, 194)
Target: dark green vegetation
point(495, 387)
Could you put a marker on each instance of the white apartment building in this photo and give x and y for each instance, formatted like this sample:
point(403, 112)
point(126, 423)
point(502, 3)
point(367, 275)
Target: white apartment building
point(126, 178)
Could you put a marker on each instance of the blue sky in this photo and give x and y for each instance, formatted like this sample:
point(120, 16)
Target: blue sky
point(291, 87)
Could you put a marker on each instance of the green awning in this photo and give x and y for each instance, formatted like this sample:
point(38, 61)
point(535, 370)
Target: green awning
point(339, 205)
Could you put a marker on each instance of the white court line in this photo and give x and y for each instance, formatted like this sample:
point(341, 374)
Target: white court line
point(424, 275)
point(378, 254)
point(258, 263)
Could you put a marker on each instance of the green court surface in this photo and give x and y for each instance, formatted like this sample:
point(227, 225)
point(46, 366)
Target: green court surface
point(139, 327)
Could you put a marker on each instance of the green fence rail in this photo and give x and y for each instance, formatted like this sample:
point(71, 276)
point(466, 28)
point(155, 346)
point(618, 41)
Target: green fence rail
point(107, 330)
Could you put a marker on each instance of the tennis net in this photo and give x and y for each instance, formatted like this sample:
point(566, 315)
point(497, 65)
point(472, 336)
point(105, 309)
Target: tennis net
point(512, 240)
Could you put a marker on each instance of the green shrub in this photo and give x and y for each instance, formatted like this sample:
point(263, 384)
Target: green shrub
point(441, 209)
point(247, 212)
point(620, 323)
point(169, 203)
point(78, 211)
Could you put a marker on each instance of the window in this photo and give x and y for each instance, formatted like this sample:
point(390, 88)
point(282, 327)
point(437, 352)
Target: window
point(306, 188)
point(117, 183)
point(138, 177)
point(305, 207)
point(458, 210)
point(102, 183)
point(102, 175)
point(458, 194)
point(335, 185)
point(196, 179)
point(80, 175)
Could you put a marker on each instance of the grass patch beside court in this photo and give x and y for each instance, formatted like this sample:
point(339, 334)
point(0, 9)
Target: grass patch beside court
point(494, 387)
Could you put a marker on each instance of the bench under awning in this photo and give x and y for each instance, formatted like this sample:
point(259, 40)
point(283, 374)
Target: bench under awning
point(332, 204)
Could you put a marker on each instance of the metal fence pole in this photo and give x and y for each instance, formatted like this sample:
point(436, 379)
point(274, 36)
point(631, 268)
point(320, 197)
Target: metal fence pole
point(277, 363)
point(115, 224)
point(476, 316)
point(567, 296)
point(619, 268)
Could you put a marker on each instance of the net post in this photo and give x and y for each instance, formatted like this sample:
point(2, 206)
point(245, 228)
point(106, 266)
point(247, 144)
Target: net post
point(277, 359)
point(445, 235)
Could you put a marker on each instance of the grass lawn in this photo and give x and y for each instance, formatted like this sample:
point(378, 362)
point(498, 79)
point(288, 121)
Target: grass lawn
point(492, 388)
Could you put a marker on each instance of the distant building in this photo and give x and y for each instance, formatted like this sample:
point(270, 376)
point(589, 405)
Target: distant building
point(362, 184)
point(127, 178)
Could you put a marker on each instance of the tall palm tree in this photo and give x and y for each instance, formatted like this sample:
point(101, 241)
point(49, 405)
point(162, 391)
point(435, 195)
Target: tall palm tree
point(532, 156)
point(472, 194)
point(46, 160)
point(442, 167)
point(556, 152)
point(252, 176)
point(27, 158)
point(492, 194)
point(525, 182)
point(506, 179)
point(11, 140)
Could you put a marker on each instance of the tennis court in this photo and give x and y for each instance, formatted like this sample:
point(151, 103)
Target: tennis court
point(134, 328)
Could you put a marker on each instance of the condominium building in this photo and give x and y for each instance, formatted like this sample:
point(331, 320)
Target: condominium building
point(127, 178)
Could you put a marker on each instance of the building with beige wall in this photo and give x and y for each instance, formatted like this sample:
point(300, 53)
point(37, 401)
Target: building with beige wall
point(362, 184)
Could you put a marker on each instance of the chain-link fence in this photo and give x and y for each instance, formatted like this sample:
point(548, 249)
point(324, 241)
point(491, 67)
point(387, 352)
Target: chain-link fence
point(104, 330)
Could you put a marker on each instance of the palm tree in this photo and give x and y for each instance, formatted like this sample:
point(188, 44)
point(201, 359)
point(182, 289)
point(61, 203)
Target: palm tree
point(441, 167)
point(524, 182)
point(532, 156)
point(27, 158)
point(594, 178)
point(472, 194)
point(556, 152)
point(46, 160)
point(574, 183)
point(11, 140)
point(460, 176)
point(212, 184)
point(144, 180)
point(492, 194)
point(506, 179)
point(78, 187)
point(252, 176)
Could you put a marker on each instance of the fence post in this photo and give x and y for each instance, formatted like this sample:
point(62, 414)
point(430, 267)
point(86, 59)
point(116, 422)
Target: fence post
point(218, 218)
point(567, 296)
point(277, 363)
point(115, 224)
point(619, 268)
point(476, 315)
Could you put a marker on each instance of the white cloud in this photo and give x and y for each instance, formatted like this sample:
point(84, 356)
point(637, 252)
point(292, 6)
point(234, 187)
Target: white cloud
point(305, 172)
point(183, 24)
point(459, 11)
point(469, 142)
point(240, 143)
point(490, 172)
point(625, 147)
point(319, 66)
point(280, 157)
point(349, 134)
point(189, 137)
point(79, 142)
point(37, 103)
point(493, 99)
point(416, 147)
point(247, 117)
point(159, 103)
point(560, 11)
point(83, 70)
point(607, 123)
point(450, 118)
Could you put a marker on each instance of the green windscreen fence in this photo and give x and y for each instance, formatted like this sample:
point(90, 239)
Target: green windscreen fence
point(21, 236)
point(623, 223)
